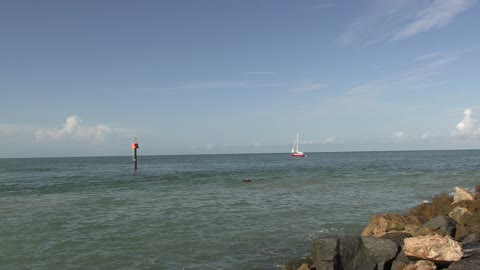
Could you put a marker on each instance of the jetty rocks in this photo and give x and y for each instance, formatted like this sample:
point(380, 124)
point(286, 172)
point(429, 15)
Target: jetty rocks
point(441, 234)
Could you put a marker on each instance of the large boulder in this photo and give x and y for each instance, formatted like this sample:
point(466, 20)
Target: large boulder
point(353, 252)
point(325, 253)
point(383, 251)
point(435, 248)
point(401, 260)
point(353, 255)
point(462, 194)
point(467, 216)
point(382, 224)
point(440, 206)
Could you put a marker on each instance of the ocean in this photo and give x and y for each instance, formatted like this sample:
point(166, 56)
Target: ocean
point(196, 212)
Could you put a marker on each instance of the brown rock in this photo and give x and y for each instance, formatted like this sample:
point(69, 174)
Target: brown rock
point(440, 206)
point(460, 215)
point(472, 206)
point(297, 264)
point(304, 267)
point(382, 224)
point(421, 265)
point(398, 265)
point(462, 194)
point(462, 231)
point(467, 216)
point(436, 248)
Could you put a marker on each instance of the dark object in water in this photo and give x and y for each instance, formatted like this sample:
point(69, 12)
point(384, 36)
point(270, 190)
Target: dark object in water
point(248, 180)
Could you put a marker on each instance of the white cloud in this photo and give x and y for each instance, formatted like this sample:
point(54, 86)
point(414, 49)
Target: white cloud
point(424, 68)
point(399, 137)
point(428, 137)
point(437, 14)
point(430, 65)
point(467, 128)
point(73, 129)
point(392, 20)
point(331, 140)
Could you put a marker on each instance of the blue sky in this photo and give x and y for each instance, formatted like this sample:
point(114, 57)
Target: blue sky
point(81, 78)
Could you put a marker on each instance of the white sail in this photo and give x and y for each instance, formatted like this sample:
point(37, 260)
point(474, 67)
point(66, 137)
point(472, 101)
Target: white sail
point(295, 151)
point(295, 145)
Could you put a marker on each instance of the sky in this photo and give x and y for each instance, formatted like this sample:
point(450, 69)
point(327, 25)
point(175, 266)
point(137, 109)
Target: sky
point(82, 78)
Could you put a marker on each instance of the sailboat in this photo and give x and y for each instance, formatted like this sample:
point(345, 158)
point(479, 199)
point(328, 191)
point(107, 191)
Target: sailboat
point(295, 152)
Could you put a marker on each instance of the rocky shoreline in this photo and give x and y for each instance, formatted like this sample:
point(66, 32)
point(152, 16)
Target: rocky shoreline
point(441, 234)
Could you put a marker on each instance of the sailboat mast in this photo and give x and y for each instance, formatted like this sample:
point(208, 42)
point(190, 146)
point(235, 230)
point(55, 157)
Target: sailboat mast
point(293, 146)
point(296, 150)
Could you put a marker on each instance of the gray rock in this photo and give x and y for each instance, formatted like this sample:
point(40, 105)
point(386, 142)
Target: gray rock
point(469, 263)
point(471, 238)
point(443, 224)
point(383, 251)
point(471, 249)
point(354, 255)
point(397, 237)
point(325, 253)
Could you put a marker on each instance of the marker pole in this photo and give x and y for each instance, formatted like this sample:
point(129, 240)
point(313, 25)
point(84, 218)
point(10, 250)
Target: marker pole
point(135, 147)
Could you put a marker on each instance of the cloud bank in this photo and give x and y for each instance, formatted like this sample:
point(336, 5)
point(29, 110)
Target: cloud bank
point(74, 130)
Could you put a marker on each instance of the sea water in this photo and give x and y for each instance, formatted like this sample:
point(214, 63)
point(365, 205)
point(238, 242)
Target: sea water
point(196, 212)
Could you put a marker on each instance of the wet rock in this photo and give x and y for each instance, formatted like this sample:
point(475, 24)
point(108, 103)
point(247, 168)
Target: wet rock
point(435, 248)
